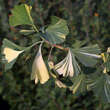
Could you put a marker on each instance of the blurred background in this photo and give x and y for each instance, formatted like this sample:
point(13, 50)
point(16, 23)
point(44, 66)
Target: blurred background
point(88, 22)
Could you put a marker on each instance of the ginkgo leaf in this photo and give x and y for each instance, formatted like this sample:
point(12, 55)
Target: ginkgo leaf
point(88, 55)
point(21, 15)
point(76, 66)
point(8, 43)
point(68, 66)
point(65, 67)
point(56, 32)
point(39, 69)
point(100, 84)
point(10, 54)
point(79, 84)
point(11, 51)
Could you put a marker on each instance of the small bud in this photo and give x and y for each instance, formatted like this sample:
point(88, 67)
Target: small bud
point(51, 64)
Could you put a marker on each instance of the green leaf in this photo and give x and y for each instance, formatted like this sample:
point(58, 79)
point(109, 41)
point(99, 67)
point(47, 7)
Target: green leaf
point(56, 32)
point(8, 43)
point(75, 64)
point(100, 84)
point(21, 15)
point(79, 84)
point(88, 55)
point(54, 20)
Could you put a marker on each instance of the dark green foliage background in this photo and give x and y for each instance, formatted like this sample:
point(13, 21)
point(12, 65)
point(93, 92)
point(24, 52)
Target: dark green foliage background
point(88, 22)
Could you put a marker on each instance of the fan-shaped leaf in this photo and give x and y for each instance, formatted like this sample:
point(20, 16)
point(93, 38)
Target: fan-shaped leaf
point(79, 84)
point(100, 84)
point(39, 69)
point(88, 55)
point(21, 15)
point(11, 52)
point(68, 66)
point(56, 32)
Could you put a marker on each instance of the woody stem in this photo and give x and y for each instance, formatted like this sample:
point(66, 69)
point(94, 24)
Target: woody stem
point(56, 46)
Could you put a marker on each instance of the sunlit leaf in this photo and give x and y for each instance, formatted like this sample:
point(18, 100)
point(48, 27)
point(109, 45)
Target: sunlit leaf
point(68, 66)
point(39, 69)
point(56, 32)
point(21, 15)
point(11, 52)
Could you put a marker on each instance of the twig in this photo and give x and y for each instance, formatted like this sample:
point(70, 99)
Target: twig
point(56, 46)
